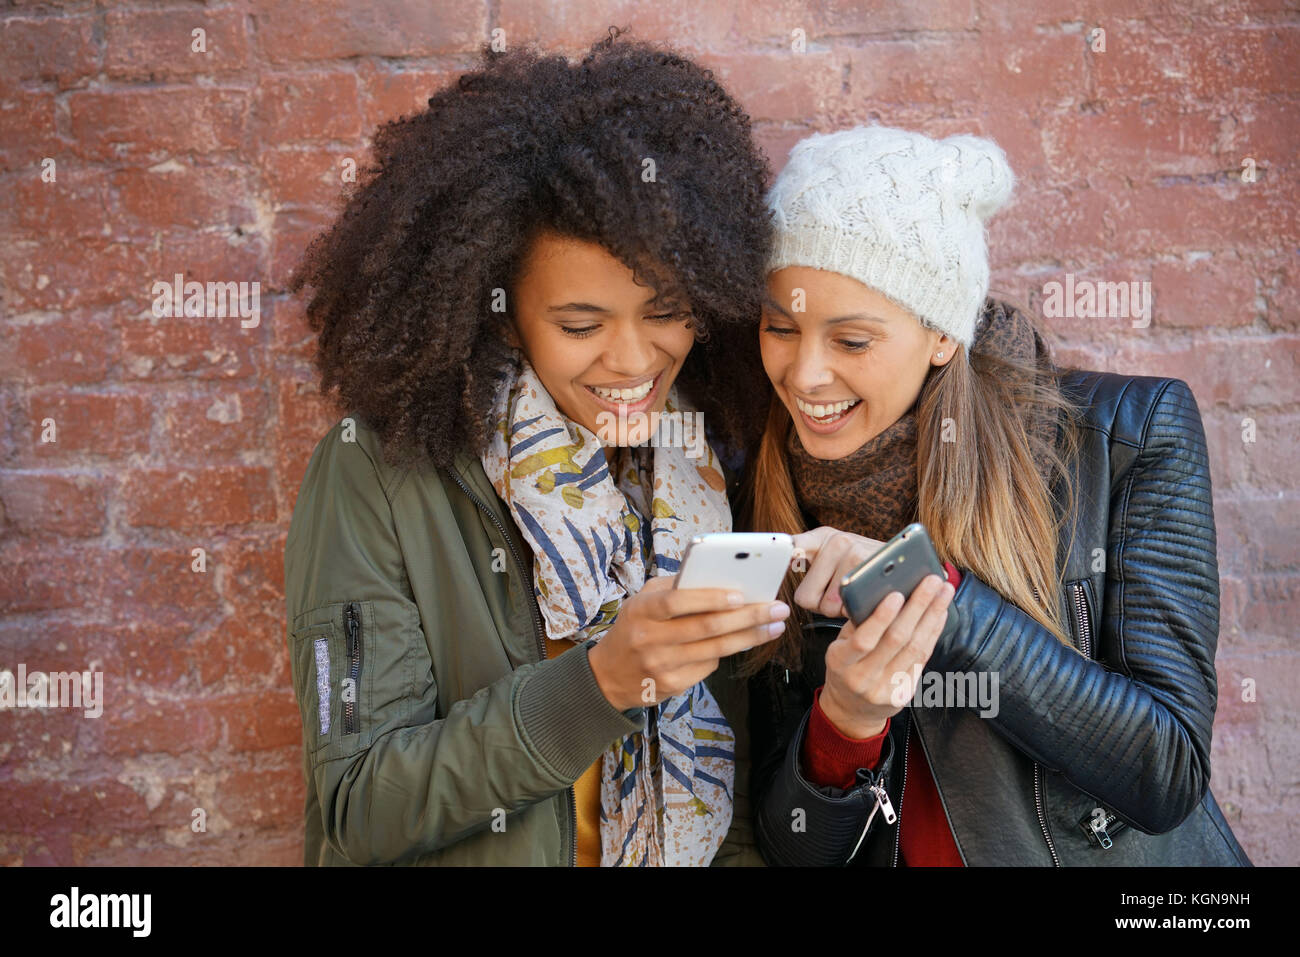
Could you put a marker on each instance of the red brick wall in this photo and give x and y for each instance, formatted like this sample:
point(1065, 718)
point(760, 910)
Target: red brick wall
point(175, 434)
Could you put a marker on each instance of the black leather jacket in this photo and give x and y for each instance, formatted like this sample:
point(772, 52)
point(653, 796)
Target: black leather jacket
point(1122, 724)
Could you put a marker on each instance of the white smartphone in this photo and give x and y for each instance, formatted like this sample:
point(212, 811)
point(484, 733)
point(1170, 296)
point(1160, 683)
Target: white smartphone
point(752, 563)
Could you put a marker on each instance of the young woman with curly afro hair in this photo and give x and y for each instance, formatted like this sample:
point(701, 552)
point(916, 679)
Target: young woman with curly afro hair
point(541, 287)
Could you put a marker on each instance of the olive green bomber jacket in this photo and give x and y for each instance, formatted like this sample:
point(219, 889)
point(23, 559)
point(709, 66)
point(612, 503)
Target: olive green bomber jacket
point(435, 730)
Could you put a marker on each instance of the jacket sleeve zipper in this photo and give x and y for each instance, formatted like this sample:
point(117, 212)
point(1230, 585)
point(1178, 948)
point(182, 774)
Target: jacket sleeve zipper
point(1038, 795)
point(1083, 617)
point(1098, 833)
point(353, 691)
point(537, 634)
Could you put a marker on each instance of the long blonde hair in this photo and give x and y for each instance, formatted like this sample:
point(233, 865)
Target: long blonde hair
point(979, 490)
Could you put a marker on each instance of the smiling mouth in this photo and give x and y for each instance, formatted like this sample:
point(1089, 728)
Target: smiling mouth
point(638, 398)
point(635, 394)
point(828, 413)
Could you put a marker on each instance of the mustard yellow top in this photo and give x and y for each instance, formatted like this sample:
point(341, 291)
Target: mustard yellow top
point(586, 790)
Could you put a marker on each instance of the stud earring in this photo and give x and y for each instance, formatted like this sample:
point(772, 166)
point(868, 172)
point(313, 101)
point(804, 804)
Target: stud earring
point(939, 356)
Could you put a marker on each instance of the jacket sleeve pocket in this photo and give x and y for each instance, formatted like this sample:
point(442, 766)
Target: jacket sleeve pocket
point(333, 678)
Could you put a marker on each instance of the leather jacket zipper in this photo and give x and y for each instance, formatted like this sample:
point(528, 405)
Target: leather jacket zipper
point(882, 804)
point(352, 618)
point(1080, 601)
point(1038, 796)
point(1042, 817)
point(902, 788)
point(1099, 832)
point(537, 634)
point(1083, 617)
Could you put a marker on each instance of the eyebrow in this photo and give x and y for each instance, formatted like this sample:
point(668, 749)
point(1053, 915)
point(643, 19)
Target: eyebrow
point(589, 307)
point(852, 317)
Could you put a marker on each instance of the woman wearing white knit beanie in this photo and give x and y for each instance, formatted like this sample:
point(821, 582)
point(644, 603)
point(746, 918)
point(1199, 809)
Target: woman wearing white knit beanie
point(1080, 562)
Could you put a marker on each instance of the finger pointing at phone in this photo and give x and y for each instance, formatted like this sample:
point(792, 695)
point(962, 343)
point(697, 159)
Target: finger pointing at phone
point(831, 554)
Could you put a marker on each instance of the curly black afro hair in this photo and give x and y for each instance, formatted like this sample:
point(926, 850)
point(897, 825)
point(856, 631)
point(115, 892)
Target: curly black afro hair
point(403, 280)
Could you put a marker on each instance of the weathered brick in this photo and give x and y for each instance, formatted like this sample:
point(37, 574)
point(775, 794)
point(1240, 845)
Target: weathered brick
point(259, 721)
point(788, 86)
point(66, 349)
point(1210, 291)
point(72, 207)
point(160, 44)
point(26, 130)
point(65, 274)
point(308, 107)
point(199, 497)
point(309, 177)
point(1137, 139)
point(1253, 449)
point(213, 424)
point(186, 347)
point(1145, 63)
point(303, 416)
point(337, 29)
point(147, 126)
point(173, 194)
point(58, 48)
point(388, 94)
point(84, 424)
point(40, 576)
point(45, 503)
point(1241, 373)
point(136, 724)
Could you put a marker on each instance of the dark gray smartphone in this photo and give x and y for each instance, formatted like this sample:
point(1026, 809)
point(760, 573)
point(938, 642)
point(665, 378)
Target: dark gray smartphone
point(899, 565)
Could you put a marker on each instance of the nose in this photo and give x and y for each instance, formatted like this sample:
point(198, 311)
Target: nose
point(631, 352)
point(810, 369)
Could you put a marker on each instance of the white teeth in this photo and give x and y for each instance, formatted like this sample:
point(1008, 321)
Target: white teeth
point(822, 411)
point(625, 395)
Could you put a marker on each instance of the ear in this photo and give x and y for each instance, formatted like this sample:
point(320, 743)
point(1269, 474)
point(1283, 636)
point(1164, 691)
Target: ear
point(944, 344)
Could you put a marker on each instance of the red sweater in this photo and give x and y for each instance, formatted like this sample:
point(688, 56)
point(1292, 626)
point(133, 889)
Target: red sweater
point(829, 758)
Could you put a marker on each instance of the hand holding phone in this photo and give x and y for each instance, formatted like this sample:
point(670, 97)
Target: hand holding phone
point(871, 666)
point(899, 603)
point(899, 565)
point(672, 634)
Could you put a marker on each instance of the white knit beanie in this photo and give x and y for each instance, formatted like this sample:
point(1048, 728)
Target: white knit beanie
point(897, 211)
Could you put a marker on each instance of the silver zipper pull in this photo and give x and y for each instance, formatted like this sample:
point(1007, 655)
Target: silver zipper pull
point(1099, 832)
point(883, 802)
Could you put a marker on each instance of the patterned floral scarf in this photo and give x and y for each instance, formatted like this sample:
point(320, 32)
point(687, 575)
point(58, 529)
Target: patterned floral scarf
point(598, 529)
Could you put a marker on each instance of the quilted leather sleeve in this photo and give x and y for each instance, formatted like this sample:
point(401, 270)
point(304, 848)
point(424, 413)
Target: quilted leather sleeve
point(1135, 736)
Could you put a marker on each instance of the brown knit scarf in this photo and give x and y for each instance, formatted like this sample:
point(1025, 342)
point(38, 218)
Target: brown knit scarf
point(873, 491)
